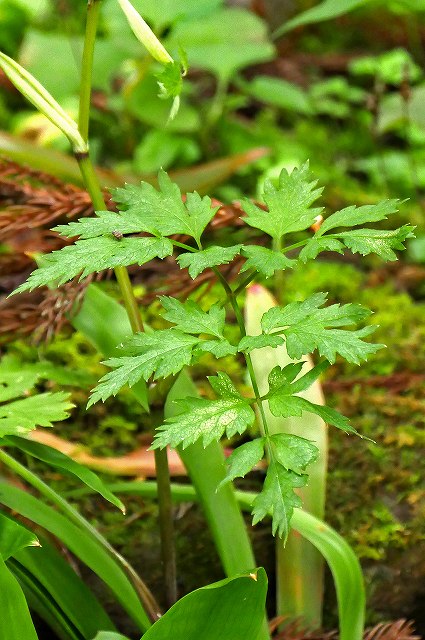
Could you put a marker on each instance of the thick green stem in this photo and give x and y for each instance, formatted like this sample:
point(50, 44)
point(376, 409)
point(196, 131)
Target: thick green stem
point(74, 516)
point(93, 187)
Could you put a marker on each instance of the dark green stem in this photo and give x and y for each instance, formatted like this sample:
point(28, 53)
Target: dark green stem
point(167, 533)
point(74, 516)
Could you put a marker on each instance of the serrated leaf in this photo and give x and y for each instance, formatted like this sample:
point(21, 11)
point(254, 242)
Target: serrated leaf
point(170, 80)
point(316, 245)
point(293, 452)
point(161, 353)
point(284, 403)
point(191, 318)
point(20, 416)
point(288, 204)
point(243, 459)
point(219, 348)
point(163, 212)
point(353, 216)
point(382, 242)
point(249, 343)
point(265, 261)
point(206, 419)
point(211, 257)
point(278, 498)
point(104, 223)
point(94, 255)
point(306, 327)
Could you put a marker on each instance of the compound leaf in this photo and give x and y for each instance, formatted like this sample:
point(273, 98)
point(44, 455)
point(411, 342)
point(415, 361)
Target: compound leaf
point(23, 415)
point(191, 318)
point(161, 353)
point(353, 216)
point(293, 452)
point(211, 257)
point(382, 242)
point(249, 343)
point(288, 204)
point(94, 255)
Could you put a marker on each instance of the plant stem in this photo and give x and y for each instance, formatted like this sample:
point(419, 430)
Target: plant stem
point(145, 595)
point(93, 187)
point(241, 323)
point(167, 532)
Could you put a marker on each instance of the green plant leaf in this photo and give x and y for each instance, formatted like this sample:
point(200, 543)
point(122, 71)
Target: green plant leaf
point(243, 459)
point(161, 353)
point(207, 419)
point(229, 609)
point(163, 212)
point(249, 343)
point(283, 402)
point(379, 241)
point(293, 452)
point(278, 498)
point(326, 10)
point(15, 619)
point(94, 255)
point(288, 204)
point(20, 416)
point(13, 537)
point(316, 245)
point(265, 261)
point(278, 93)
point(110, 635)
point(81, 543)
point(211, 257)
point(224, 42)
point(219, 348)
point(191, 318)
point(306, 327)
point(353, 216)
point(56, 459)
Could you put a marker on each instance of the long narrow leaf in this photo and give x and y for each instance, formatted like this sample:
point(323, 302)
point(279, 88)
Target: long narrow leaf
point(15, 619)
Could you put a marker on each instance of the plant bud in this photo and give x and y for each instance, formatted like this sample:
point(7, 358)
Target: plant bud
point(144, 33)
point(33, 91)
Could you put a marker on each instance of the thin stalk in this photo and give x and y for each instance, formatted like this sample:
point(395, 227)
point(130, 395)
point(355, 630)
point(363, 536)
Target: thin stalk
point(74, 516)
point(167, 533)
point(93, 187)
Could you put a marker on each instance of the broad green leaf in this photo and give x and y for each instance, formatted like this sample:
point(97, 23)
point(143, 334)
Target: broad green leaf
point(94, 255)
point(87, 548)
point(55, 583)
point(243, 459)
point(283, 402)
point(219, 348)
point(278, 498)
point(163, 212)
point(392, 67)
point(191, 318)
point(226, 610)
point(19, 416)
point(326, 10)
point(224, 42)
point(293, 452)
point(249, 343)
point(353, 216)
point(161, 353)
point(288, 204)
point(306, 327)
point(278, 93)
point(265, 261)
point(13, 537)
point(63, 462)
point(207, 419)
point(381, 242)
point(211, 257)
point(15, 619)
